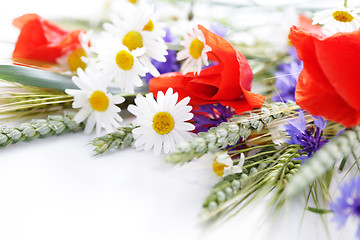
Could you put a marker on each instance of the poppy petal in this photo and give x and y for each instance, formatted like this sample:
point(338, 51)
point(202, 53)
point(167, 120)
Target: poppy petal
point(339, 58)
point(318, 101)
point(42, 40)
point(325, 86)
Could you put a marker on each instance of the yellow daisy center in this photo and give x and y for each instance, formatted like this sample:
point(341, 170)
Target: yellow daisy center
point(74, 60)
point(99, 101)
point(133, 1)
point(218, 168)
point(149, 26)
point(342, 16)
point(196, 48)
point(163, 123)
point(133, 40)
point(124, 60)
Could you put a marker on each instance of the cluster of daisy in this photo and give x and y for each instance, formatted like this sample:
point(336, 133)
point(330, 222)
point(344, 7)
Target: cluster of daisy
point(123, 51)
point(342, 19)
point(123, 54)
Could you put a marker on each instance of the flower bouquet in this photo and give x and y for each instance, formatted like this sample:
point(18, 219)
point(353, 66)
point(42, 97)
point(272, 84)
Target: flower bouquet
point(262, 124)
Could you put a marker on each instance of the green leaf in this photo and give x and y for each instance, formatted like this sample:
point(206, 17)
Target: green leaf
point(36, 77)
point(318, 211)
point(45, 79)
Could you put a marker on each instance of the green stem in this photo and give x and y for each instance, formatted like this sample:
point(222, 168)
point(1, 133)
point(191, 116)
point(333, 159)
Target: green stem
point(342, 164)
point(345, 3)
point(356, 159)
point(191, 12)
point(253, 148)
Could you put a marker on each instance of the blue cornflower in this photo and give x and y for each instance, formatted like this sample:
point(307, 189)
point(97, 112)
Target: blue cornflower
point(287, 77)
point(218, 29)
point(309, 137)
point(211, 115)
point(171, 64)
point(348, 204)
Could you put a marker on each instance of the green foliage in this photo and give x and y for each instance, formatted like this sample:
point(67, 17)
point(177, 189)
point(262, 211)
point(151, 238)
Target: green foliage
point(318, 211)
point(36, 77)
point(41, 78)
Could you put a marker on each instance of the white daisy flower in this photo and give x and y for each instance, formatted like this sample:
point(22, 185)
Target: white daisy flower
point(162, 123)
point(223, 165)
point(139, 28)
point(206, 170)
point(130, 2)
point(194, 52)
point(336, 20)
point(98, 106)
point(119, 64)
point(77, 58)
point(135, 2)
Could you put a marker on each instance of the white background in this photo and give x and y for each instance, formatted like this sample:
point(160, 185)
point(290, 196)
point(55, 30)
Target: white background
point(55, 188)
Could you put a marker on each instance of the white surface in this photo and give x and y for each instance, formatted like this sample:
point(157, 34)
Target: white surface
point(54, 188)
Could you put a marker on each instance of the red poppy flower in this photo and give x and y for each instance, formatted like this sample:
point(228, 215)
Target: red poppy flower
point(42, 40)
point(329, 84)
point(305, 23)
point(228, 82)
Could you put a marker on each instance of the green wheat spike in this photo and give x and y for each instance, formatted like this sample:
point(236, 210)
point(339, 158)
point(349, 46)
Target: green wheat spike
point(228, 133)
point(121, 138)
point(324, 159)
point(39, 128)
point(227, 187)
point(261, 170)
